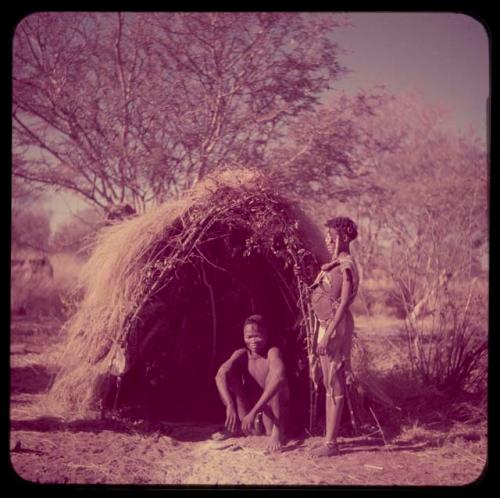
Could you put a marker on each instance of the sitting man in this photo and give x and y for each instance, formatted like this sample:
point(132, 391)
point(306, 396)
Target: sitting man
point(251, 381)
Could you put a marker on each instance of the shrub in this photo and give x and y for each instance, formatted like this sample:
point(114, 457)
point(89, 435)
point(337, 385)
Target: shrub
point(448, 350)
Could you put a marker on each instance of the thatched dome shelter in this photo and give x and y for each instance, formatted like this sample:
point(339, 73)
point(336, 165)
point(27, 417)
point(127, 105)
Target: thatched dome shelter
point(165, 295)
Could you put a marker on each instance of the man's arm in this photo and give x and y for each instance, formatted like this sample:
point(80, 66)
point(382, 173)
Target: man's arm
point(221, 380)
point(274, 382)
point(225, 369)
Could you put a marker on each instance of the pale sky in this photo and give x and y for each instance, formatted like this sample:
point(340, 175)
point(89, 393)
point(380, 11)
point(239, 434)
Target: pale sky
point(444, 57)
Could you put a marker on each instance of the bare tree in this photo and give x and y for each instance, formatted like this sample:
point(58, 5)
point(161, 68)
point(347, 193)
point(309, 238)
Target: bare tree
point(125, 107)
point(330, 161)
point(330, 154)
point(436, 203)
point(416, 189)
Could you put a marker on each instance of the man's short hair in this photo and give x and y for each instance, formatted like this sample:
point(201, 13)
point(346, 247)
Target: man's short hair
point(256, 320)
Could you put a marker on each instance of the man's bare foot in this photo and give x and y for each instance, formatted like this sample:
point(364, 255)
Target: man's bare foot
point(276, 441)
point(327, 449)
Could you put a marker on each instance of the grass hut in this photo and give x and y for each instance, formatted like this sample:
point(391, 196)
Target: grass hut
point(166, 294)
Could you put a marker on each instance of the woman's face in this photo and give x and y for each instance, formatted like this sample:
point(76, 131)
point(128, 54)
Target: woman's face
point(332, 240)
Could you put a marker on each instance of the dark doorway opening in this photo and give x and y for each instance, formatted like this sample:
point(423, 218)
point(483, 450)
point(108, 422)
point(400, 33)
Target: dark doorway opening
point(197, 327)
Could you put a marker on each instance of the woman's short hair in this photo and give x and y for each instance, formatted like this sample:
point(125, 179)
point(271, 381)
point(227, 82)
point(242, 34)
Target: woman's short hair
point(343, 225)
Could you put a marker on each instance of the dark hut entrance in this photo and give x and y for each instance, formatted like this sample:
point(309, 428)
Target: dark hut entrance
point(194, 325)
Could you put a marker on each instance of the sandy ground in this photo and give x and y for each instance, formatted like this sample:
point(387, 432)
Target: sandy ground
point(49, 450)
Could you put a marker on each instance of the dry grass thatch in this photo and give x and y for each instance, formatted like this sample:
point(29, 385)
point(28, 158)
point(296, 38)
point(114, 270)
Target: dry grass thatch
point(147, 267)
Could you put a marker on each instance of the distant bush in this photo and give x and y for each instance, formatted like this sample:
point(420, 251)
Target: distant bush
point(377, 300)
point(30, 227)
point(77, 234)
point(40, 294)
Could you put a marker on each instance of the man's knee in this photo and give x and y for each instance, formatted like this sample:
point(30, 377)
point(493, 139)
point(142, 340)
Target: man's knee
point(280, 399)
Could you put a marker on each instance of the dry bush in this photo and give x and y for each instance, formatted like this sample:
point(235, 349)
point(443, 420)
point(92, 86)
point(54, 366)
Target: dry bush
point(442, 372)
point(449, 390)
point(414, 401)
point(448, 350)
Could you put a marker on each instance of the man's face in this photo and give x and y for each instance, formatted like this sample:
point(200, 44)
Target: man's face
point(332, 240)
point(255, 337)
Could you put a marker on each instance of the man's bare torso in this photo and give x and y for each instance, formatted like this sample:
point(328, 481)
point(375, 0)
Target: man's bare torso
point(258, 367)
point(254, 365)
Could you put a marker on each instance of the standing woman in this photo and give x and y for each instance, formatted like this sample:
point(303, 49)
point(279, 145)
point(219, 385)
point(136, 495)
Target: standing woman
point(333, 291)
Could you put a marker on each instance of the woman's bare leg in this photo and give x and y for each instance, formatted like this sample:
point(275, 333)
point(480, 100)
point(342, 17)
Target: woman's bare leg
point(334, 404)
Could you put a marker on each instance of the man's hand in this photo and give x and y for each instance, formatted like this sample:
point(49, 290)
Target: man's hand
point(231, 419)
point(247, 424)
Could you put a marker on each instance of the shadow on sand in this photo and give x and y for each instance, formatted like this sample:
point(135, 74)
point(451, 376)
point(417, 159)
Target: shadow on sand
point(191, 432)
point(197, 433)
point(178, 431)
point(32, 379)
